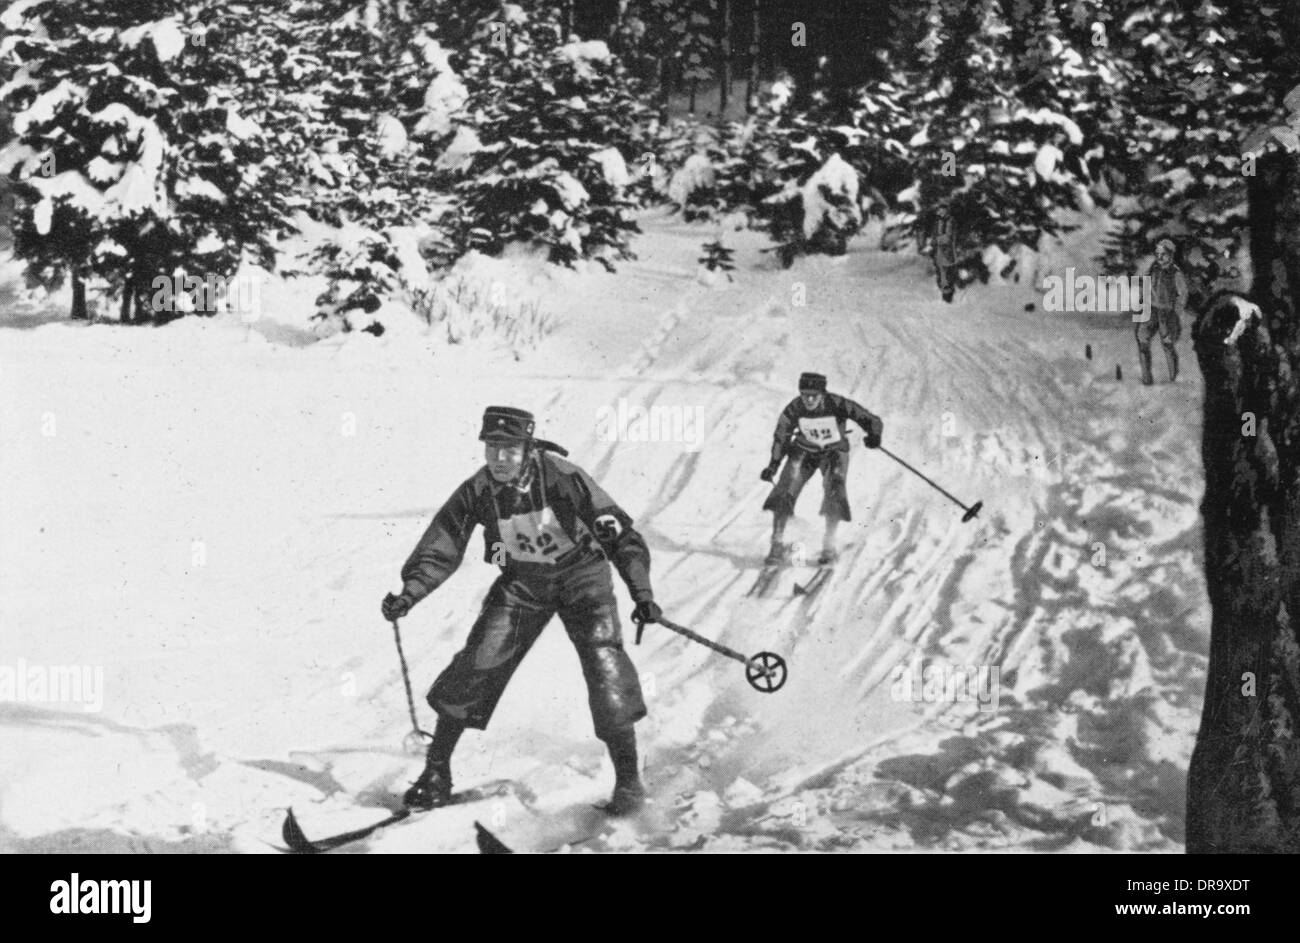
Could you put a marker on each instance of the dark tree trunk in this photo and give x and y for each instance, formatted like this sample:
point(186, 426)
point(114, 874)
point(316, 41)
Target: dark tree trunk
point(1243, 783)
point(695, 84)
point(755, 44)
point(662, 96)
point(128, 297)
point(724, 61)
point(79, 312)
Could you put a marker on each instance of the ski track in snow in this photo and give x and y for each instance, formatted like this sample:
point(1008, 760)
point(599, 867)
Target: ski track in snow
point(263, 676)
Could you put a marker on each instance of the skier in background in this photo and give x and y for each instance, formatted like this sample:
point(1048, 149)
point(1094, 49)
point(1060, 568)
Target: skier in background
point(811, 433)
point(1168, 305)
point(551, 529)
point(944, 249)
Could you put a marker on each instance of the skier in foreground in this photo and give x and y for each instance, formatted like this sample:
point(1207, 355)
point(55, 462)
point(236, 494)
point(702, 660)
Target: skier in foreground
point(551, 529)
point(811, 432)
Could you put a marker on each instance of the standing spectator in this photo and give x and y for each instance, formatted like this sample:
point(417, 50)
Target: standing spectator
point(1168, 304)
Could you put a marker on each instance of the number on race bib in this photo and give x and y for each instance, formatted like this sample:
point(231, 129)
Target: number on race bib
point(607, 528)
point(820, 430)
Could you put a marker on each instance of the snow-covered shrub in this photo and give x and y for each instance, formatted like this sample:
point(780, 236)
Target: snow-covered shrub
point(362, 270)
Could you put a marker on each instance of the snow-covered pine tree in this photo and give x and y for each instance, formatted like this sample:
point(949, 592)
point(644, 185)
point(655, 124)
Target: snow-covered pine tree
point(1200, 79)
point(132, 160)
point(349, 84)
point(981, 148)
point(553, 124)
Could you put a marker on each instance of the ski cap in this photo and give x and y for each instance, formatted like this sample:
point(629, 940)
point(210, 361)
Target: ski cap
point(507, 422)
point(812, 383)
point(1165, 244)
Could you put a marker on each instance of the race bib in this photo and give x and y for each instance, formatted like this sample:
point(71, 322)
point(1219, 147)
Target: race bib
point(820, 431)
point(534, 537)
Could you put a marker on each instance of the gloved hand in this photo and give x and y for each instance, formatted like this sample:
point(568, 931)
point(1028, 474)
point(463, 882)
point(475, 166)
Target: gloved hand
point(647, 611)
point(872, 441)
point(767, 473)
point(395, 607)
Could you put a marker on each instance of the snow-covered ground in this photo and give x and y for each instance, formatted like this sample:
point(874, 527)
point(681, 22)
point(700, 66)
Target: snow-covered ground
point(209, 514)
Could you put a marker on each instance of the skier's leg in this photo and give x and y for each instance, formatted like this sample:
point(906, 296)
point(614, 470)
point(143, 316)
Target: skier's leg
point(588, 609)
point(629, 793)
point(433, 787)
point(1170, 328)
point(512, 617)
point(783, 497)
point(590, 615)
point(1143, 331)
point(467, 691)
point(835, 498)
point(829, 549)
point(943, 275)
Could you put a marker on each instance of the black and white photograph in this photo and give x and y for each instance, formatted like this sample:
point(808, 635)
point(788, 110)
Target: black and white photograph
point(651, 427)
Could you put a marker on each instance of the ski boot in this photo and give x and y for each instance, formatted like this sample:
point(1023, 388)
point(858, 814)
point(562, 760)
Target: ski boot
point(432, 790)
point(627, 798)
point(779, 553)
point(828, 556)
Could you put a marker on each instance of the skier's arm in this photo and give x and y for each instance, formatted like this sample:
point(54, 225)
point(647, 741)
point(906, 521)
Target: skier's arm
point(784, 429)
point(612, 527)
point(442, 547)
point(865, 418)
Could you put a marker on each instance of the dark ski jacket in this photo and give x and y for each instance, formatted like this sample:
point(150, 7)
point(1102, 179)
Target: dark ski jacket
point(790, 434)
point(589, 517)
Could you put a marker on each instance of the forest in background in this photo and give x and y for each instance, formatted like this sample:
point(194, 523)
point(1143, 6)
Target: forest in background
point(171, 138)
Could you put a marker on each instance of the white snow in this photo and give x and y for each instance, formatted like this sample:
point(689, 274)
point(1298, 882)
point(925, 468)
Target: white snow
point(695, 173)
point(166, 35)
point(443, 99)
point(458, 154)
point(392, 136)
point(42, 216)
point(241, 127)
point(197, 186)
point(582, 54)
point(210, 512)
point(1246, 310)
point(46, 105)
point(612, 166)
point(1046, 162)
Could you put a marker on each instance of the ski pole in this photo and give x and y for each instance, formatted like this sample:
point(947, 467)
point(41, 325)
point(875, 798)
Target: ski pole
point(971, 511)
point(412, 739)
point(765, 671)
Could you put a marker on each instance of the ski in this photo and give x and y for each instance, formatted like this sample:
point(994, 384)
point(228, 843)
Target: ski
point(815, 582)
point(766, 577)
point(299, 844)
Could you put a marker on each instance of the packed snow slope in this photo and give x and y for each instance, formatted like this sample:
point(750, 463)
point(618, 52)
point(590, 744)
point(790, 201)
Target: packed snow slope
point(210, 513)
